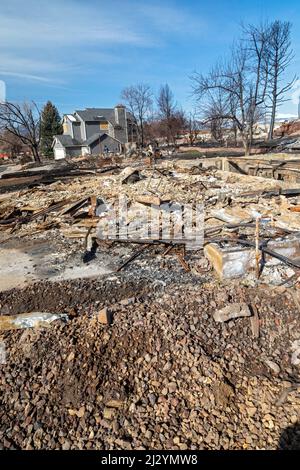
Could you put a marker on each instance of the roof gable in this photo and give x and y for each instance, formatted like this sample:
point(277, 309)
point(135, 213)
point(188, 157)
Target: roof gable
point(67, 140)
point(100, 137)
point(97, 114)
point(100, 114)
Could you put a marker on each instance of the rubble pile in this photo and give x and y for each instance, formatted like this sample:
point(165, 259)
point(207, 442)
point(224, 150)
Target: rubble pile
point(288, 128)
point(232, 203)
point(112, 342)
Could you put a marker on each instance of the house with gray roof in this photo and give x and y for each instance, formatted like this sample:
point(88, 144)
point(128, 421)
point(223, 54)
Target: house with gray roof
point(94, 131)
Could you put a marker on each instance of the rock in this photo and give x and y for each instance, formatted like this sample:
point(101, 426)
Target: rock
point(183, 446)
point(152, 398)
point(147, 357)
point(79, 413)
point(295, 359)
point(232, 311)
point(128, 301)
point(172, 387)
point(108, 413)
point(294, 419)
point(273, 366)
point(105, 316)
point(71, 356)
point(122, 444)
point(251, 410)
point(114, 403)
point(66, 445)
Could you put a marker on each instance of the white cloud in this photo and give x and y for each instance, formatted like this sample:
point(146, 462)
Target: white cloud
point(31, 65)
point(35, 23)
point(48, 41)
point(43, 40)
point(169, 19)
point(27, 76)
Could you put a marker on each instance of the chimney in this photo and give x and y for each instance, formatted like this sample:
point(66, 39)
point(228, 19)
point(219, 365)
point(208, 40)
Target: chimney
point(120, 114)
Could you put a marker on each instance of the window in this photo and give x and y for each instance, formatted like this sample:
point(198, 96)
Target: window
point(104, 126)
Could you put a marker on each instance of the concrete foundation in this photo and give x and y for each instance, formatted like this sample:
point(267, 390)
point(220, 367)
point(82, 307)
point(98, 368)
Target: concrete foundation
point(280, 166)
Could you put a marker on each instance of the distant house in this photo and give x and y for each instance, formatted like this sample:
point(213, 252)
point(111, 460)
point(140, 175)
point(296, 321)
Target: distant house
point(94, 131)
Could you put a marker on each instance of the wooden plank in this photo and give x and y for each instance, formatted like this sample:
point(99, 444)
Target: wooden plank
point(182, 261)
point(149, 200)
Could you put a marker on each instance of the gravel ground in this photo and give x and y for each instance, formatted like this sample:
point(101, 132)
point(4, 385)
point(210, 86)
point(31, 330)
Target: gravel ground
point(164, 375)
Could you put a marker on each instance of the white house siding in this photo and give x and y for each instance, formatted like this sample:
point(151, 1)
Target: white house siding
point(59, 153)
point(85, 150)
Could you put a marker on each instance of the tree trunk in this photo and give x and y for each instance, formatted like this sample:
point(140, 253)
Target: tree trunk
point(235, 136)
point(247, 146)
point(274, 100)
point(251, 136)
point(142, 135)
point(36, 154)
point(273, 116)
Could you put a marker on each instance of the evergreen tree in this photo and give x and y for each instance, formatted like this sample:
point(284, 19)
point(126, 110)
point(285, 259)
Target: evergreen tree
point(50, 125)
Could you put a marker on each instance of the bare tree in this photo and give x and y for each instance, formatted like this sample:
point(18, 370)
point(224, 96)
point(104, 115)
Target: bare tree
point(280, 55)
point(165, 102)
point(216, 129)
point(176, 124)
point(230, 85)
point(23, 122)
point(167, 110)
point(257, 46)
point(214, 112)
point(243, 88)
point(11, 144)
point(138, 99)
point(192, 126)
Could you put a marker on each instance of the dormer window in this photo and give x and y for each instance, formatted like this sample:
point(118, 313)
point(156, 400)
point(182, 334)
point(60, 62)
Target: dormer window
point(104, 126)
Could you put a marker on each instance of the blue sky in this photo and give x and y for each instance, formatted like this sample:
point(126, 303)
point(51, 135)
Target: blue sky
point(82, 53)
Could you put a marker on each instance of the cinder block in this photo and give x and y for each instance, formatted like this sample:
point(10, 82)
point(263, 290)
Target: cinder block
point(229, 263)
point(235, 262)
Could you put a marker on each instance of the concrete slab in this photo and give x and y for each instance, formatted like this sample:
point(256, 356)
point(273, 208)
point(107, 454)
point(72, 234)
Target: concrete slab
point(26, 264)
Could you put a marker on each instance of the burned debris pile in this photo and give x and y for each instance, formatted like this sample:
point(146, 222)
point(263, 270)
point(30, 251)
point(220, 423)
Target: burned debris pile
point(247, 223)
point(156, 305)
